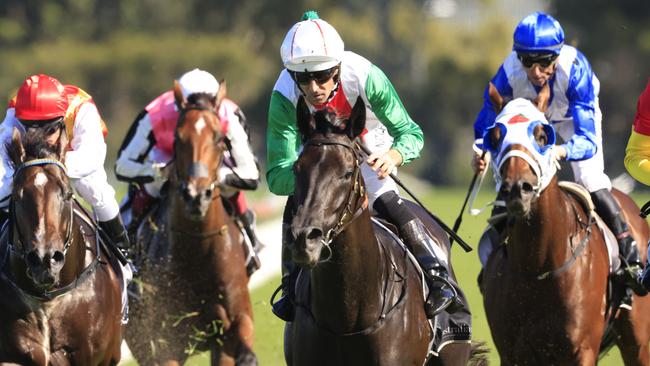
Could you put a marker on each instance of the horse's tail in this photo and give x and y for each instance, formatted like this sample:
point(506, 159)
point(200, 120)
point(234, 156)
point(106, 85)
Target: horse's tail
point(479, 354)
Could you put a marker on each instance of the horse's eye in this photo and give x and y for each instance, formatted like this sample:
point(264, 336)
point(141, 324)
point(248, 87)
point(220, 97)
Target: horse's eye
point(542, 139)
point(348, 175)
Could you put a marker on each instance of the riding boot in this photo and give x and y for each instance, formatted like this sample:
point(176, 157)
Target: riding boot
point(631, 266)
point(248, 222)
point(116, 232)
point(441, 293)
point(141, 203)
point(285, 308)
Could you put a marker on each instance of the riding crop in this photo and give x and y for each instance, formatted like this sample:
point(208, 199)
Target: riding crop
point(460, 215)
point(444, 226)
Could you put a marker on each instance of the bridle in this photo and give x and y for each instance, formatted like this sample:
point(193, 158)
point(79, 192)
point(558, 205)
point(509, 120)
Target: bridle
point(356, 195)
point(19, 239)
point(197, 169)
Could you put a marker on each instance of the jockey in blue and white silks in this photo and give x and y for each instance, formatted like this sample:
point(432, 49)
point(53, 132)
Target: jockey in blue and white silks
point(539, 56)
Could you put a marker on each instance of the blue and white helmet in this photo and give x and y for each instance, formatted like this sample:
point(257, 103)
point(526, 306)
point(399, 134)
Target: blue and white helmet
point(538, 33)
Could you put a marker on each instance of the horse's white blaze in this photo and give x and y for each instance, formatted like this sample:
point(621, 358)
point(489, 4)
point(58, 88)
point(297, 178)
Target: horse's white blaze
point(40, 180)
point(199, 125)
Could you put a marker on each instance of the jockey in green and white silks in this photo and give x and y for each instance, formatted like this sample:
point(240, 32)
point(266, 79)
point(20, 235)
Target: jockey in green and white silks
point(318, 69)
point(388, 123)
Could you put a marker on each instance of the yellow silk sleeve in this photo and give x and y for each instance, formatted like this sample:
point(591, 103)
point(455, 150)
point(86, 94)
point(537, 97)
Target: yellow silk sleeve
point(637, 157)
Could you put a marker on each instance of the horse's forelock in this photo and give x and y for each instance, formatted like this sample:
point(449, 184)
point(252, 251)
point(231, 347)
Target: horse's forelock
point(36, 146)
point(201, 100)
point(328, 121)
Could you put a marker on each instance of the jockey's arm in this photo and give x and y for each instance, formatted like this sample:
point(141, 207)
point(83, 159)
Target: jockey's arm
point(637, 154)
point(6, 168)
point(133, 164)
point(88, 148)
point(582, 102)
point(282, 144)
point(244, 173)
point(407, 136)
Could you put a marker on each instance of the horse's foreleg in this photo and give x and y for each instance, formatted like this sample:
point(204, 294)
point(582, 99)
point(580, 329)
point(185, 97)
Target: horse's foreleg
point(237, 342)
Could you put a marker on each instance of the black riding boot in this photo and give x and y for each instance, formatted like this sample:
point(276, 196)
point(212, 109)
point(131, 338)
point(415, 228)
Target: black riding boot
point(248, 222)
point(631, 268)
point(284, 308)
point(119, 242)
point(441, 294)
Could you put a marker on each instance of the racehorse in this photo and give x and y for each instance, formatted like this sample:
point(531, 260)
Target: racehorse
point(546, 289)
point(359, 297)
point(194, 280)
point(60, 299)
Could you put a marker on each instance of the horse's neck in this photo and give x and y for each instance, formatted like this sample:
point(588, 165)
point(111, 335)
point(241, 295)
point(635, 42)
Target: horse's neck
point(346, 291)
point(540, 241)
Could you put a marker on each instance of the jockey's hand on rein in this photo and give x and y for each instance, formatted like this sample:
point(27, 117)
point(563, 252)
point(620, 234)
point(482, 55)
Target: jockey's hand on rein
point(560, 152)
point(385, 163)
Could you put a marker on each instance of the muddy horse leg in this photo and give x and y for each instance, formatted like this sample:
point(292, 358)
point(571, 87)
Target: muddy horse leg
point(237, 345)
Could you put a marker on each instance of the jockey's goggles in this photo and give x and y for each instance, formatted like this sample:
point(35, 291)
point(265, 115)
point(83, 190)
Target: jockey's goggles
point(55, 122)
point(320, 77)
point(542, 59)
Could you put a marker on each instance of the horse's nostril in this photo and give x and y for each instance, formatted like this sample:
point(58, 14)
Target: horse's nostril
point(33, 258)
point(208, 193)
point(57, 257)
point(314, 233)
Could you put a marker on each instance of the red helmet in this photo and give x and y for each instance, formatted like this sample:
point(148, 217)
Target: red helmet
point(41, 97)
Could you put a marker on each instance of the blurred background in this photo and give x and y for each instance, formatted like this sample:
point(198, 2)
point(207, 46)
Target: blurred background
point(439, 54)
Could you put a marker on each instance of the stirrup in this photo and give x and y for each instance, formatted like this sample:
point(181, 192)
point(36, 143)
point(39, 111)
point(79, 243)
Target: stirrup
point(284, 307)
point(451, 303)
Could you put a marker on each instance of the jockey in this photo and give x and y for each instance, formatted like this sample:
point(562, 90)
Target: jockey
point(539, 56)
point(318, 68)
point(637, 154)
point(149, 143)
point(43, 103)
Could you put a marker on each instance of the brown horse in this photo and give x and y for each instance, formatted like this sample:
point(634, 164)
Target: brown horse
point(545, 291)
point(60, 300)
point(194, 278)
point(359, 297)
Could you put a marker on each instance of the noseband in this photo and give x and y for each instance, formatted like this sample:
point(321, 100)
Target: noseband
point(356, 194)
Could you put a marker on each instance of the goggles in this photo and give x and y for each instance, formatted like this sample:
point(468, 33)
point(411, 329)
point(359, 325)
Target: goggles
point(55, 122)
point(320, 77)
point(542, 59)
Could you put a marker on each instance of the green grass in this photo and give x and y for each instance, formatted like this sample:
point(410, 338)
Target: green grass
point(445, 203)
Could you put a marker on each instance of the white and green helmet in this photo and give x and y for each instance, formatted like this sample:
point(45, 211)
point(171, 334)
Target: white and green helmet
point(311, 45)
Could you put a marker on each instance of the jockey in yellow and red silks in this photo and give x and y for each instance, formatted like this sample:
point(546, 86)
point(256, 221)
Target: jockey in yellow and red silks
point(43, 102)
point(637, 154)
point(149, 143)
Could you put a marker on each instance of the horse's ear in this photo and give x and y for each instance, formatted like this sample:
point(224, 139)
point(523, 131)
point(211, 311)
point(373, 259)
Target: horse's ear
point(63, 145)
point(497, 100)
point(304, 118)
point(178, 95)
point(16, 150)
point(544, 95)
point(221, 93)
point(357, 118)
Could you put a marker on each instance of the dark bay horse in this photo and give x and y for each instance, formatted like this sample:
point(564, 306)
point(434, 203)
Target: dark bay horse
point(60, 301)
point(194, 280)
point(546, 290)
point(359, 297)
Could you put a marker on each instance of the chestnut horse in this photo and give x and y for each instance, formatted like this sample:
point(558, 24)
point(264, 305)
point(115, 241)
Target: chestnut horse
point(359, 297)
point(60, 301)
point(545, 291)
point(195, 295)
